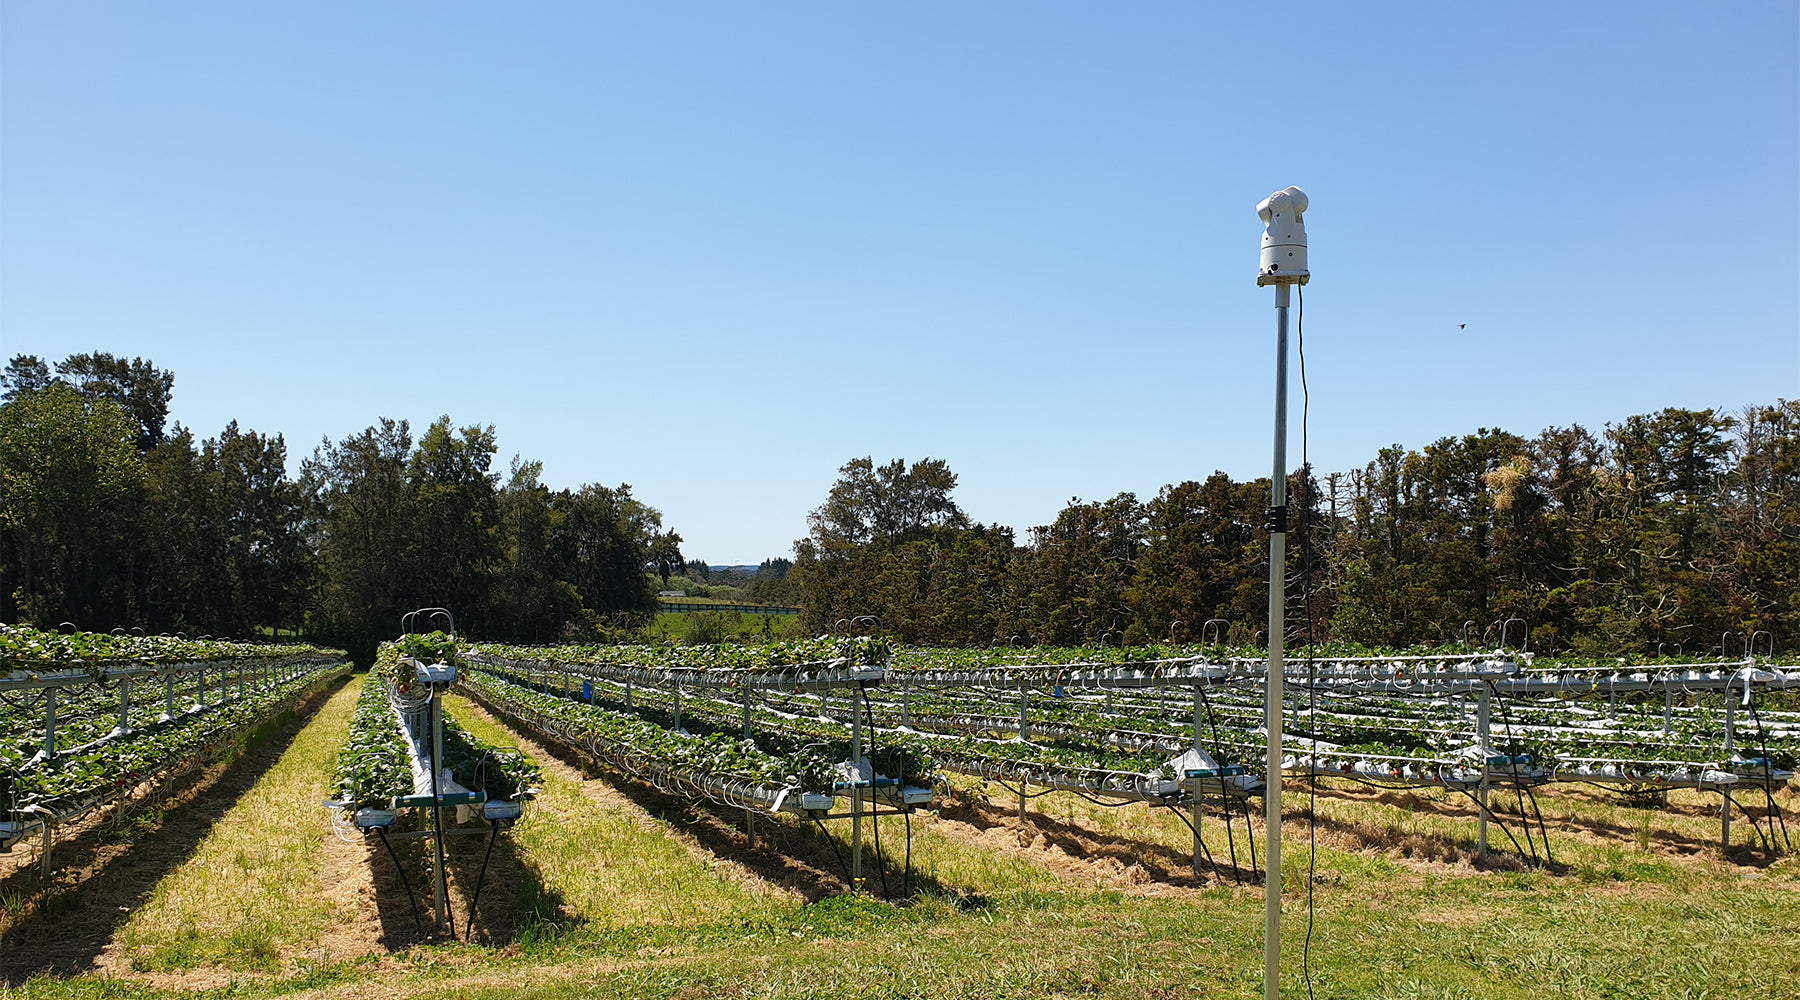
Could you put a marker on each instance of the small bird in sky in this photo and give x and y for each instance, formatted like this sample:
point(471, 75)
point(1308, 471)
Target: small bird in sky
point(1462, 326)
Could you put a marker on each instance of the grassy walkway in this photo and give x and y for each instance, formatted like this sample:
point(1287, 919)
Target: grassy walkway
point(250, 892)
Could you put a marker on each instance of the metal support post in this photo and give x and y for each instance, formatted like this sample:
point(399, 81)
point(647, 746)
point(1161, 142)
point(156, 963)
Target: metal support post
point(1668, 710)
point(1725, 790)
point(440, 902)
point(168, 696)
point(124, 704)
point(1277, 639)
point(856, 738)
point(1481, 738)
point(49, 724)
point(678, 708)
point(1198, 845)
point(1024, 734)
point(746, 709)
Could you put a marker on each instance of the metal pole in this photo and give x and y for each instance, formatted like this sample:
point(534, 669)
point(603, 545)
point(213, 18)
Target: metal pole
point(1725, 790)
point(1024, 734)
point(49, 724)
point(1197, 840)
point(437, 754)
point(1481, 738)
point(856, 790)
point(1277, 634)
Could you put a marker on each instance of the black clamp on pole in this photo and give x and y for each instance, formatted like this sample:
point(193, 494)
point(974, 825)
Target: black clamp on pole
point(1276, 521)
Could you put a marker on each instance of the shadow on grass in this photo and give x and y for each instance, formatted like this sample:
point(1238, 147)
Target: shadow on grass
point(794, 855)
point(1506, 813)
point(1231, 861)
point(69, 917)
point(493, 896)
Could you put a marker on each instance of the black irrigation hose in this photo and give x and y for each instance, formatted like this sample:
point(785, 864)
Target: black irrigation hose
point(437, 814)
point(842, 866)
point(874, 819)
point(1542, 832)
point(1020, 791)
point(1250, 835)
point(907, 815)
point(1768, 845)
point(1201, 841)
point(469, 924)
point(1212, 725)
point(1762, 739)
point(1518, 789)
point(1306, 561)
point(411, 902)
point(1098, 802)
point(1497, 822)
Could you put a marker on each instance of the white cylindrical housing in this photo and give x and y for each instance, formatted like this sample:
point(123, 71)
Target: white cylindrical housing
point(1284, 238)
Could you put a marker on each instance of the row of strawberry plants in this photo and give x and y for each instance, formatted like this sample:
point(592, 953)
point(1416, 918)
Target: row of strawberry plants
point(851, 652)
point(779, 723)
point(53, 785)
point(375, 764)
point(1412, 729)
point(627, 740)
point(24, 647)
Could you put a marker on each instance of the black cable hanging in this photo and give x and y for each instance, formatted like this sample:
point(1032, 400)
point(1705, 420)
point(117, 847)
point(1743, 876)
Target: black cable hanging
point(1513, 766)
point(1312, 679)
point(842, 866)
point(469, 924)
point(412, 903)
point(1218, 757)
point(1197, 839)
point(1762, 738)
point(874, 813)
point(437, 819)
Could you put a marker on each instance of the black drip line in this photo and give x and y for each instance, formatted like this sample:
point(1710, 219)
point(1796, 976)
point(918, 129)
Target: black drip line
point(411, 902)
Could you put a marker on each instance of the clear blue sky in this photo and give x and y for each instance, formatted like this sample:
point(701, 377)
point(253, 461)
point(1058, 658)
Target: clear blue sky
point(716, 250)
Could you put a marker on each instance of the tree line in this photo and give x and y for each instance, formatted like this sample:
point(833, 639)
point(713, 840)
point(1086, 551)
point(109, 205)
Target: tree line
point(108, 519)
point(1664, 531)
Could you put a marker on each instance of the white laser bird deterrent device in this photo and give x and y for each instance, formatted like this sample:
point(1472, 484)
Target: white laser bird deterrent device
point(1284, 238)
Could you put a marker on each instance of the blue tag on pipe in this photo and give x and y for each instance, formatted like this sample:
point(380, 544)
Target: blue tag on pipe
point(587, 690)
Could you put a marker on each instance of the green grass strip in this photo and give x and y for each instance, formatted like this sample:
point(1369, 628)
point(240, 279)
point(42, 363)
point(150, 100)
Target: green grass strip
point(250, 893)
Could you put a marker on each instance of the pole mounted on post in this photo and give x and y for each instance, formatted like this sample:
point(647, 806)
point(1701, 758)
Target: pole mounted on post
point(1283, 265)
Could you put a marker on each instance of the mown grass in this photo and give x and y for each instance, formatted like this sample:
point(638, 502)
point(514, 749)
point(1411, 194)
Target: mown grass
point(249, 893)
point(608, 868)
point(1398, 911)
